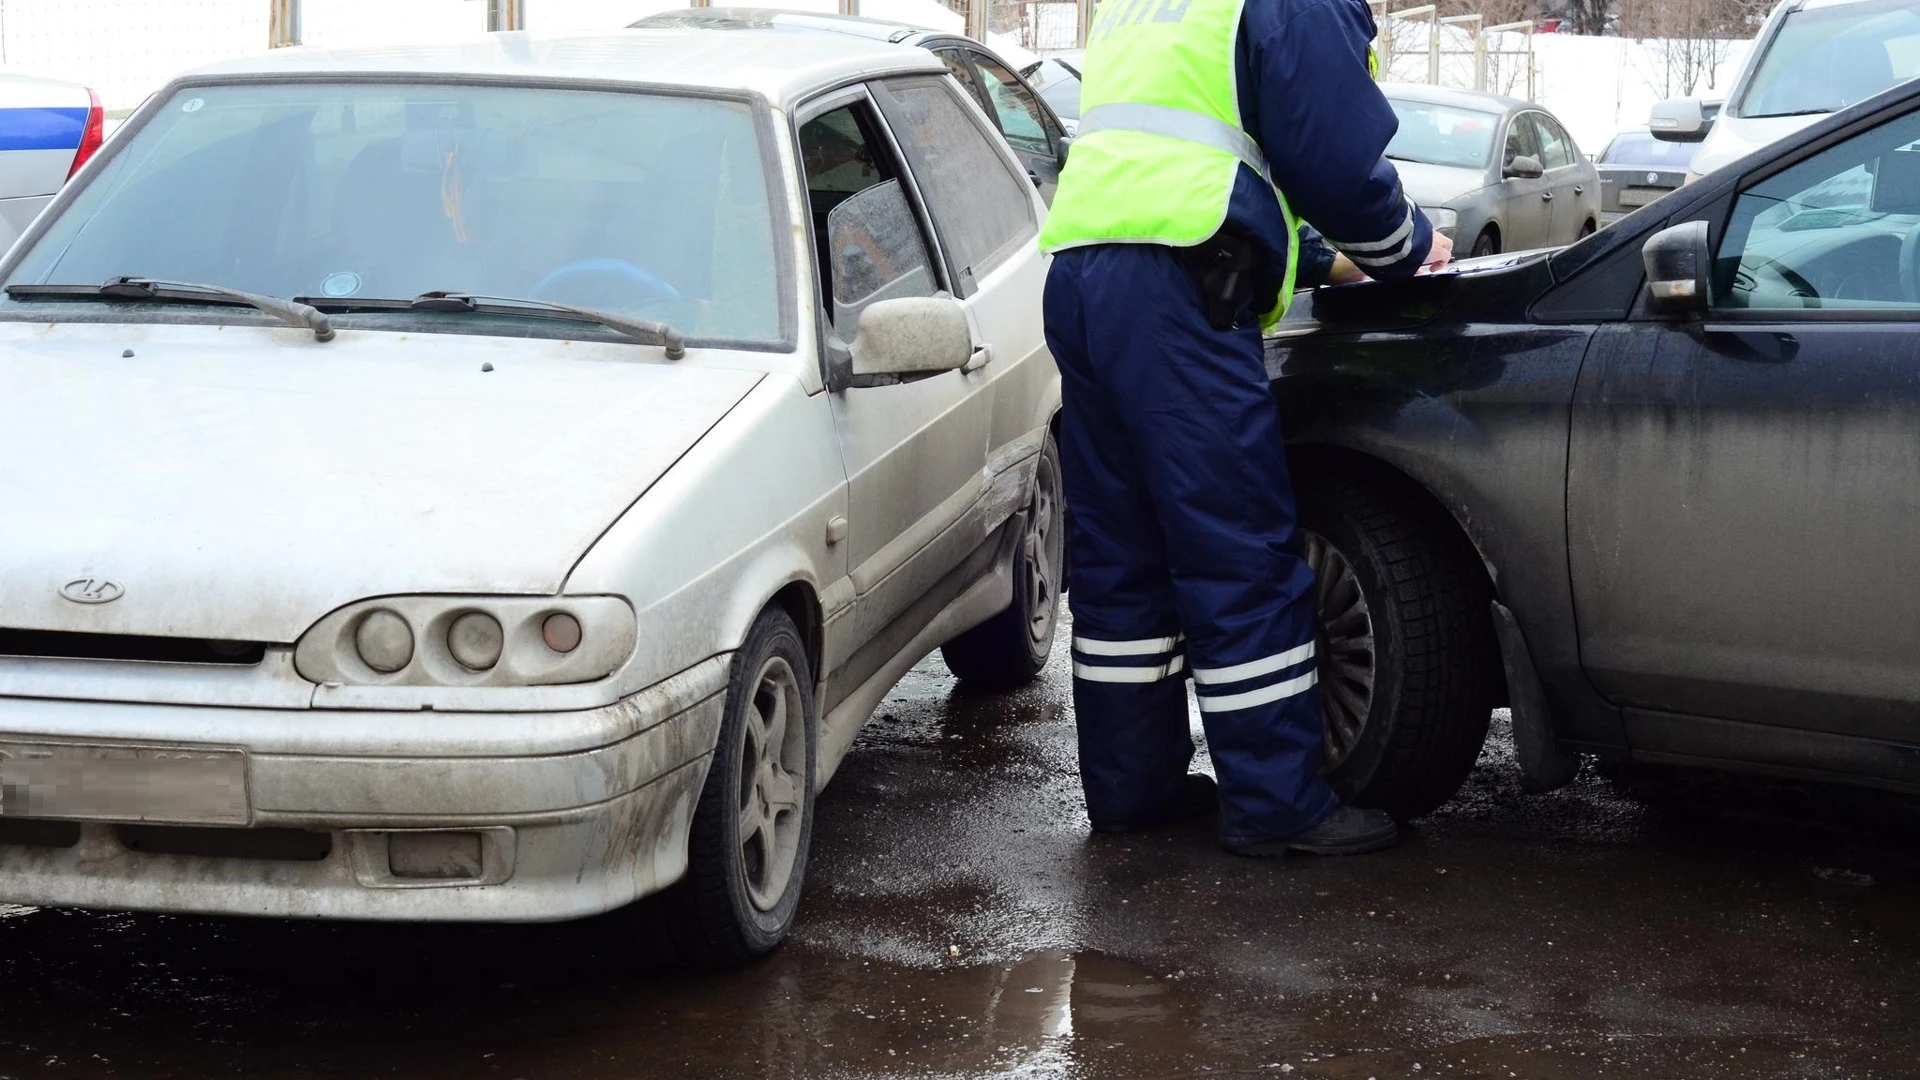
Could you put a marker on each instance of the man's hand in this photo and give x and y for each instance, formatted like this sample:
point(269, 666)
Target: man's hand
point(1343, 272)
point(1440, 254)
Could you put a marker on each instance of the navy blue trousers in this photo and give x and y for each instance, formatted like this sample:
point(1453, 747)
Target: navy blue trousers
point(1184, 558)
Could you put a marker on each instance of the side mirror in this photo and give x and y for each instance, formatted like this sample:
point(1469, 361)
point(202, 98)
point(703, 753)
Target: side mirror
point(1681, 120)
point(1678, 260)
point(913, 335)
point(1065, 142)
point(1525, 167)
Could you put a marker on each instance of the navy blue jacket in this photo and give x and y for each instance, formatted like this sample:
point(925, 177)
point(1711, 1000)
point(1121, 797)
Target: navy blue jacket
point(1307, 97)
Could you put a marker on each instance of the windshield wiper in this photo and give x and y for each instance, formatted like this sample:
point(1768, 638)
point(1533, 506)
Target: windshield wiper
point(1795, 112)
point(291, 312)
point(641, 330)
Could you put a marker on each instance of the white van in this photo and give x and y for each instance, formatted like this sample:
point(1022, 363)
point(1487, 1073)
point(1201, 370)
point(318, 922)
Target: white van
point(1813, 57)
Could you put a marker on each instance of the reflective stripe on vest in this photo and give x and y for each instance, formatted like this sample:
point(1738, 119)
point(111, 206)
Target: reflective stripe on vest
point(1160, 140)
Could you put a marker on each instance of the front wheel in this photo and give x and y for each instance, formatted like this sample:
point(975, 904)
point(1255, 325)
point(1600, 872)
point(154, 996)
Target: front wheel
point(1486, 244)
point(747, 847)
point(1008, 650)
point(1406, 644)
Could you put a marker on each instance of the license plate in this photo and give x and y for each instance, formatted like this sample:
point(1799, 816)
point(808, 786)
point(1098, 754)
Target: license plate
point(1638, 196)
point(86, 782)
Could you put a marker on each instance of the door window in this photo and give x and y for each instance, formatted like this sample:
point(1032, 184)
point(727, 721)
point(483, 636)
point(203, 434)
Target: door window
point(982, 208)
point(1521, 142)
point(956, 62)
point(1839, 230)
point(1020, 117)
point(868, 242)
point(1556, 148)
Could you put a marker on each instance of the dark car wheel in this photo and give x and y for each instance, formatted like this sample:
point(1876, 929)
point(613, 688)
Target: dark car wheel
point(747, 848)
point(1408, 659)
point(1487, 243)
point(1008, 650)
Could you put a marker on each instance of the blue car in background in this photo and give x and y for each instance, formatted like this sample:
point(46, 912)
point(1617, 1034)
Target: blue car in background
point(48, 129)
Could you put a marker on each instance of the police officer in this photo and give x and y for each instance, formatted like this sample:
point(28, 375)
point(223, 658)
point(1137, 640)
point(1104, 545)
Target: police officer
point(1206, 126)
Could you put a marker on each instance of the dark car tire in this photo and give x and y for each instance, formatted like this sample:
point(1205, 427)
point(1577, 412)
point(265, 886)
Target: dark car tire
point(1007, 651)
point(1487, 243)
point(1409, 665)
point(732, 908)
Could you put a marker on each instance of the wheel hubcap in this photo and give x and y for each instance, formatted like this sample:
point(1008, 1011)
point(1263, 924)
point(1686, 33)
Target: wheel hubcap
point(773, 770)
point(1345, 647)
point(1043, 555)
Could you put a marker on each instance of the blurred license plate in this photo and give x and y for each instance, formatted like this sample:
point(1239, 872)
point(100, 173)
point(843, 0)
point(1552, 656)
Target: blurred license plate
point(1640, 196)
point(78, 781)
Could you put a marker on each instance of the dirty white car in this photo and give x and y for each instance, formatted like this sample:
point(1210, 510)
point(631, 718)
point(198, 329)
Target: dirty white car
point(496, 481)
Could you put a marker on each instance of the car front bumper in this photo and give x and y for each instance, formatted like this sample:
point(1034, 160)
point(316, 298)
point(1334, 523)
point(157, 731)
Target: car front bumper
point(581, 813)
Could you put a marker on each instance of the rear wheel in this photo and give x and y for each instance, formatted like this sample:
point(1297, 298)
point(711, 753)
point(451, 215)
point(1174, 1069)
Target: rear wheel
point(747, 848)
point(1487, 243)
point(1407, 652)
point(1008, 650)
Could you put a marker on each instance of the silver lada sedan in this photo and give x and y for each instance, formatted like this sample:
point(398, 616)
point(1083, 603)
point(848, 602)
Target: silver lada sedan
point(496, 481)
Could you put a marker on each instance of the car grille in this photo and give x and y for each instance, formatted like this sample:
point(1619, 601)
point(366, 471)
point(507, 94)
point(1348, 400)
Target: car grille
point(165, 650)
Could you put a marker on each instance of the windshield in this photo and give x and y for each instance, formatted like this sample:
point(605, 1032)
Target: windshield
point(1824, 59)
point(1645, 150)
point(645, 205)
point(1443, 135)
point(1059, 85)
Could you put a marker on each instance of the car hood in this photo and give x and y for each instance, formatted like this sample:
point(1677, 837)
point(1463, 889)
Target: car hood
point(239, 483)
point(1734, 137)
point(1437, 185)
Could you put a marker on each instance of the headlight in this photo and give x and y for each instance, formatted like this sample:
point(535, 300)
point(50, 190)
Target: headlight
point(468, 641)
point(1443, 219)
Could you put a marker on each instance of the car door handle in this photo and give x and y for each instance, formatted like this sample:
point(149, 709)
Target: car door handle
point(982, 356)
point(1580, 189)
point(1033, 176)
point(1547, 196)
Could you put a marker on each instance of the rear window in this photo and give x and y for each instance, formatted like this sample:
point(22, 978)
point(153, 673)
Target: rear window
point(642, 204)
point(1647, 151)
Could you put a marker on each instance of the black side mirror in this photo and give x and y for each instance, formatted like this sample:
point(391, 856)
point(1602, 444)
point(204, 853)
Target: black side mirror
point(1525, 167)
point(1678, 262)
point(1063, 143)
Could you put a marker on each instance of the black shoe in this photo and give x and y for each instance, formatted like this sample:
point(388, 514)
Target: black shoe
point(1199, 795)
point(1346, 831)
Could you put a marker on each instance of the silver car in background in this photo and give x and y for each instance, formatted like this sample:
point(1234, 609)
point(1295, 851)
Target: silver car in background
point(1494, 173)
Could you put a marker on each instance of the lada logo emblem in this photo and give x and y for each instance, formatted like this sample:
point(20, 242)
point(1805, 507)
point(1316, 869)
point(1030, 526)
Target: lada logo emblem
point(92, 590)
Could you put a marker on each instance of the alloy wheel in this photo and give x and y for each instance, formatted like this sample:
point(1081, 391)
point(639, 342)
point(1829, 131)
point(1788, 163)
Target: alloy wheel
point(1345, 647)
point(773, 769)
point(1043, 555)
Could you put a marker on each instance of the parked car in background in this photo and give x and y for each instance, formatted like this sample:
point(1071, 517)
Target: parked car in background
point(491, 504)
point(1030, 127)
point(48, 130)
point(1057, 77)
point(1494, 173)
point(1636, 168)
point(1654, 490)
point(1812, 58)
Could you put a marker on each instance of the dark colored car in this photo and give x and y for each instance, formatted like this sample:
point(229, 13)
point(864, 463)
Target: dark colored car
point(1659, 491)
point(1036, 135)
point(1637, 168)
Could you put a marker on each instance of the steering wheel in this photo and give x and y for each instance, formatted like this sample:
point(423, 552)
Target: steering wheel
point(1773, 284)
point(650, 286)
point(1910, 266)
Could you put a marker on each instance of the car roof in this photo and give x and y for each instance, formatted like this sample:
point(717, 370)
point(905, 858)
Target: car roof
point(772, 64)
point(1462, 99)
point(756, 18)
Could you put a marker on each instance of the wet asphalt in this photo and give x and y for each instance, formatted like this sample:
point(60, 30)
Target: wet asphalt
point(960, 922)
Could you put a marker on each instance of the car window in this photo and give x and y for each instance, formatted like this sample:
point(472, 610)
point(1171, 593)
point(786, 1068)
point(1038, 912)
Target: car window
point(1020, 117)
point(868, 243)
point(1831, 231)
point(645, 204)
point(1058, 84)
point(962, 69)
point(982, 208)
point(1822, 59)
point(1521, 141)
point(1442, 135)
point(1556, 147)
point(1648, 152)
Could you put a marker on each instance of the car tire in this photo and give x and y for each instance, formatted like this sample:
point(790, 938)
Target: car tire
point(738, 898)
point(1008, 650)
point(1487, 243)
point(1408, 660)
